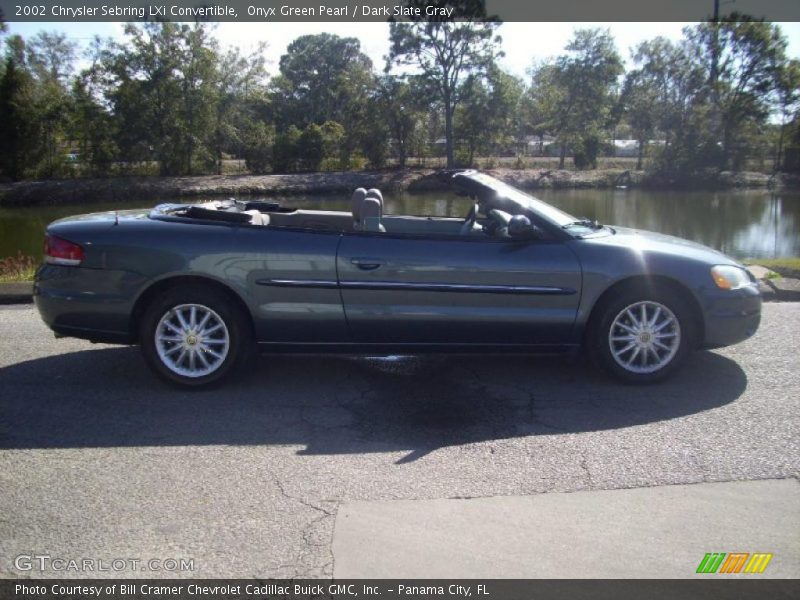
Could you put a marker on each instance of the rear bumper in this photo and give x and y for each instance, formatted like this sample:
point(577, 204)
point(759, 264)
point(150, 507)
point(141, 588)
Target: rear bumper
point(731, 317)
point(92, 304)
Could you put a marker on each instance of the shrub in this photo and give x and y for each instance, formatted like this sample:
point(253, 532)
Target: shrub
point(355, 162)
point(463, 158)
point(259, 142)
point(17, 268)
point(332, 139)
point(285, 152)
point(586, 153)
point(377, 151)
point(310, 148)
point(331, 164)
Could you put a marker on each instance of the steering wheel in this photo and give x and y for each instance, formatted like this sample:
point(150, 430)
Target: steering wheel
point(469, 221)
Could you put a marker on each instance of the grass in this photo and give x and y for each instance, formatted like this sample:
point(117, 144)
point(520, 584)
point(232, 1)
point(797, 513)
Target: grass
point(17, 268)
point(786, 267)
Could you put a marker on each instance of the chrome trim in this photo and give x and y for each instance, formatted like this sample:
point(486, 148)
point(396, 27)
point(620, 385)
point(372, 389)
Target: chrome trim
point(457, 287)
point(64, 262)
point(306, 283)
point(420, 287)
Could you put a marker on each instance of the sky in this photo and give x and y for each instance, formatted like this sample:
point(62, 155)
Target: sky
point(523, 43)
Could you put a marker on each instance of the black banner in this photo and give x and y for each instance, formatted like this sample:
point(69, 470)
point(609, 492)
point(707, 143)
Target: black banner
point(713, 587)
point(383, 10)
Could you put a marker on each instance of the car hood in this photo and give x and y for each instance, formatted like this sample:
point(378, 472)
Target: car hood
point(651, 242)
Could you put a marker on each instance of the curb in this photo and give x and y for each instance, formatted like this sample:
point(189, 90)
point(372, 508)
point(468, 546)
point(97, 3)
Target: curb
point(782, 289)
point(16, 293)
point(774, 288)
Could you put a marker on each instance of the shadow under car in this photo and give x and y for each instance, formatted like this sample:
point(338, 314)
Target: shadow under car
point(335, 405)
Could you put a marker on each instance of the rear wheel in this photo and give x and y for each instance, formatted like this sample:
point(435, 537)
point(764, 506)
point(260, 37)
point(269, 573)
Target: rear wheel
point(642, 336)
point(194, 336)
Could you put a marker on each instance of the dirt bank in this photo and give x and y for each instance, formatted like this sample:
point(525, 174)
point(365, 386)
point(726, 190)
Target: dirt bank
point(139, 189)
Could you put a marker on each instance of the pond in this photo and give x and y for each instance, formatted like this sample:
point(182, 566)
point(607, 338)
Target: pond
point(743, 224)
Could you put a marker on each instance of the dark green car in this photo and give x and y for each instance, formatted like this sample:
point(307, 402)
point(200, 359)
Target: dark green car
point(201, 287)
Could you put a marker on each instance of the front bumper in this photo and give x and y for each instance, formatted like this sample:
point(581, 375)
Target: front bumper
point(731, 316)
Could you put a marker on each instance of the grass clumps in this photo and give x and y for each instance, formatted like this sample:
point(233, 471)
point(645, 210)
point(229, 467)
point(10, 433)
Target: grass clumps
point(17, 268)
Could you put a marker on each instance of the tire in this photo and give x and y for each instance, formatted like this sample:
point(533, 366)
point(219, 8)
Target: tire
point(183, 354)
point(641, 350)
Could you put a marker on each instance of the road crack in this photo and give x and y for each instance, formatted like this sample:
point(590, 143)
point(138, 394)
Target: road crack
point(587, 472)
point(308, 534)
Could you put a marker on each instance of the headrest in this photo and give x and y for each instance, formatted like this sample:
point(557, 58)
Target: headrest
point(371, 207)
point(375, 193)
point(355, 203)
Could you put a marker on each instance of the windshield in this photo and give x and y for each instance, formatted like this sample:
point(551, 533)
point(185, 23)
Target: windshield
point(551, 213)
point(506, 194)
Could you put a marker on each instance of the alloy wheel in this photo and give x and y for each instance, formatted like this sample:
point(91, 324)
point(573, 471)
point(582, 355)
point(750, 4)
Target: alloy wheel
point(644, 337)
point(192, 340)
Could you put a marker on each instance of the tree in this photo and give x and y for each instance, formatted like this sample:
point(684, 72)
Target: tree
point(573, 96)
point(162, 87)
point(400, 104)
point(744, 58)
point(51, 57)
point(310, 148)
point(676, 84)
point(179, 100)
point(788, 90)
point(259, 141)
point(145, 94)
point(333, 150)
point(446, 52)
point(791, 161)
point(639, 97)
point(239, 99)
point(91, 127)
point(3, 30)
point(14, 120)
point(324, 77)
point(32, 103)
point(286, 153)
point(471, 121)
point(198, 76)
point(488, 118)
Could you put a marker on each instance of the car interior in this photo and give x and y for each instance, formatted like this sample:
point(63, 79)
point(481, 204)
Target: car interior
point(366, 215)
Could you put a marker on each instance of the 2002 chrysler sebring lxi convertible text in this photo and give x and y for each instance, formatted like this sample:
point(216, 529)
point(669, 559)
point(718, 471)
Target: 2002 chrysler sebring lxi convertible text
point(200, 286)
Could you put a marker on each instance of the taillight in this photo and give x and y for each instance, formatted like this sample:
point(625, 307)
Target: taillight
point(61, 252)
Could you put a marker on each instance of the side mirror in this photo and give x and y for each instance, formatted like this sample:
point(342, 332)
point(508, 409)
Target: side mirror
point(521, 228)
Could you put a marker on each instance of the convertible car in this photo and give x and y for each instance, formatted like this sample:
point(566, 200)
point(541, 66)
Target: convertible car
point(201, 287)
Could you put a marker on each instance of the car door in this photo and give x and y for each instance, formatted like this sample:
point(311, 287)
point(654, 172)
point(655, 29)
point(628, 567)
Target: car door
point(290, 278)
point(413, 289)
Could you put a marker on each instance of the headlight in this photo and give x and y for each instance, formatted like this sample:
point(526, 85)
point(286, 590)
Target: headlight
point(728, 277)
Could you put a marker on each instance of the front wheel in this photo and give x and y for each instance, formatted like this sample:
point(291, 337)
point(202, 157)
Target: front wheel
point(193, 337)
point(642, 337)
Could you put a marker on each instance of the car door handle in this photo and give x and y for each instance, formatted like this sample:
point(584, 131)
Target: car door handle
point(367, 264)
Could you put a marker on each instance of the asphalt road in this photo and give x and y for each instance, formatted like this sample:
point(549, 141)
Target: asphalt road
point(100, 460)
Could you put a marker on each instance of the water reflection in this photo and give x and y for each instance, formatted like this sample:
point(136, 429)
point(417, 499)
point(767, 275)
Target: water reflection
point(744, 224)
point(755, 224)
